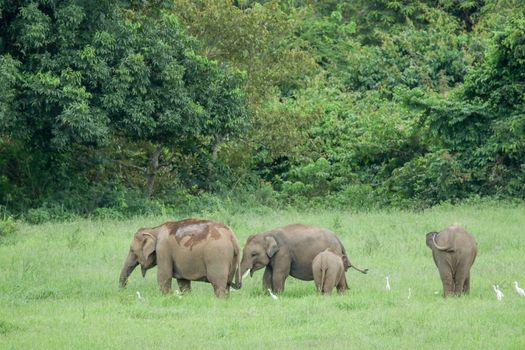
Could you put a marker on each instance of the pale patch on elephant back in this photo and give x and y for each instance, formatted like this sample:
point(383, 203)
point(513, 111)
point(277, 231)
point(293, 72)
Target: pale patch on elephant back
point(191, 232)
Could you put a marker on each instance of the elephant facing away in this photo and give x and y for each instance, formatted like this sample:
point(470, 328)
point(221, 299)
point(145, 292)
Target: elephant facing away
point(289, 250)
point(454, 251)
point(188, 250)
point(329, 271)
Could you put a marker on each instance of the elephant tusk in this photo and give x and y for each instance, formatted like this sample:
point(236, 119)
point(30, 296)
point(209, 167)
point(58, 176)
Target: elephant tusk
point(246, 273)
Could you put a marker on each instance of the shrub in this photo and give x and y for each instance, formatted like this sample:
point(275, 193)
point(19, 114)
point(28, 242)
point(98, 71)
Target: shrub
point(8, 228)
point(428, 180)
point(37, 215)
point(108, 213)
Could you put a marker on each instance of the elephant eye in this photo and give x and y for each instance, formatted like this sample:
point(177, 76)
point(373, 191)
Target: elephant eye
point(254, 253)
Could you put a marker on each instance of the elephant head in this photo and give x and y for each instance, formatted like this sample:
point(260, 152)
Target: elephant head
point(258, 251)
point(141, 251)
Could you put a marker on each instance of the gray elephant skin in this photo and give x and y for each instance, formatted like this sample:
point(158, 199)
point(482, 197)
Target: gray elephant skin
point(454, 251)
point(188, 250)
point(329, 272)
point(289, 251)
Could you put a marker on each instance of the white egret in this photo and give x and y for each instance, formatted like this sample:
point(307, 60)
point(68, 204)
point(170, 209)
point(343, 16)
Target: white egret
point(519, 290)
point(178, 293)
point(274, 297)
point(499, 293)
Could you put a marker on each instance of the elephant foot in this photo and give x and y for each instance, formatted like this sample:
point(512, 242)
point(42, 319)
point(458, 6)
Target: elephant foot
point(220, 292)
point(236, 285)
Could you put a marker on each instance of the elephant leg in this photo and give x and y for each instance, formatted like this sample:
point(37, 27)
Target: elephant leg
point(461, 277)
point(466, 285)
point(445, 272)
point(458, 285)
point(164, 273)
point(217, 275)
point(329, 283)
point(280, 271)
point(267, 278)
point(341, 285)
point(220, 291)
point(184, 285)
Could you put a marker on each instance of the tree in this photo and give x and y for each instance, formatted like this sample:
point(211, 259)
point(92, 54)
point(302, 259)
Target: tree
point(86, 74)
point(483, 122)
point(260, 40)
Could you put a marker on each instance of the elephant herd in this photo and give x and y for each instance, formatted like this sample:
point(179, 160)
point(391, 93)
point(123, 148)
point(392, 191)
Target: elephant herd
point(204, 250)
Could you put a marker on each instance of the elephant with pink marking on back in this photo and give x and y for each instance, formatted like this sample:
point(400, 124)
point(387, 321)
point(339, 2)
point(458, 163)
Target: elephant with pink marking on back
point(290, 251)
point(187, 250)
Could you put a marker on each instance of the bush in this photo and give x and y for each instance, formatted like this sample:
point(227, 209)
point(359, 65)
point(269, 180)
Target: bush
point(358, 196)
point(428, 180)
point(49, 212)
point(108, 213)
point(37, 216)
point(8, 228)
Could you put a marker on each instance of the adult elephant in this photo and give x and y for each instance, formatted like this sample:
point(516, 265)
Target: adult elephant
point(289, 250)
point(188, 250)
point(454, 251)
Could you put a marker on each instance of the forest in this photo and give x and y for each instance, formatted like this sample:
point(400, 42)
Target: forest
point(121, 108)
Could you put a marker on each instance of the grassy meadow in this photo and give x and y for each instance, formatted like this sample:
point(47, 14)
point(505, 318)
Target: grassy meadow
point(59, 288)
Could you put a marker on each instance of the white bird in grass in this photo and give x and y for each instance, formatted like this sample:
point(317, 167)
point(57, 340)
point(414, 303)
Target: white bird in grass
point(274, 297)
point(139, 297)
point(519, 290)
point(178, 294)
point(499, 293)
point(387, 283)
point(409, 293)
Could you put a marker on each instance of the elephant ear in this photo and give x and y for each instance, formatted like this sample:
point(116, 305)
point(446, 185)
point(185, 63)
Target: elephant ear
point(429, 237)
point(271, 246)
point(148, 245)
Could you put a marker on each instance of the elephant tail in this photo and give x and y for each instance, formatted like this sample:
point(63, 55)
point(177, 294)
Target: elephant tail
point(346, 262)
point(237, 259)
point(362, 271)
point(323, 275)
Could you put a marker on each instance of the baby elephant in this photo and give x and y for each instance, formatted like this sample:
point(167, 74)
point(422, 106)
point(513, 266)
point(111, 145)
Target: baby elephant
point(329, 271)
point(454, 251)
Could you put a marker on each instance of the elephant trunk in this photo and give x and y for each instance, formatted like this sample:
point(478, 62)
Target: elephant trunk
point(243, 269)
point(438, 246)
point(238, 277)
point(129, 265)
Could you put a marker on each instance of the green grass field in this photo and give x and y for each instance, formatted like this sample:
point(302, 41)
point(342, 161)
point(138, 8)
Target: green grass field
point(59, 289)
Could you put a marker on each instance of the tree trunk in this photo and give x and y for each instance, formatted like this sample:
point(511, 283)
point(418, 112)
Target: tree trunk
point(153, 169)
point(211, 163)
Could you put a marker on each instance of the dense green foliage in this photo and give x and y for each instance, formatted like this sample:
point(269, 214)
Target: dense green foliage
point(59, 288)
point(129, 107)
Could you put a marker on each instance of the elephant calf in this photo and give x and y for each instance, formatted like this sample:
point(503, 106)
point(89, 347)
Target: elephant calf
point(454, 251)
point(188, 250)
point(329, 271)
